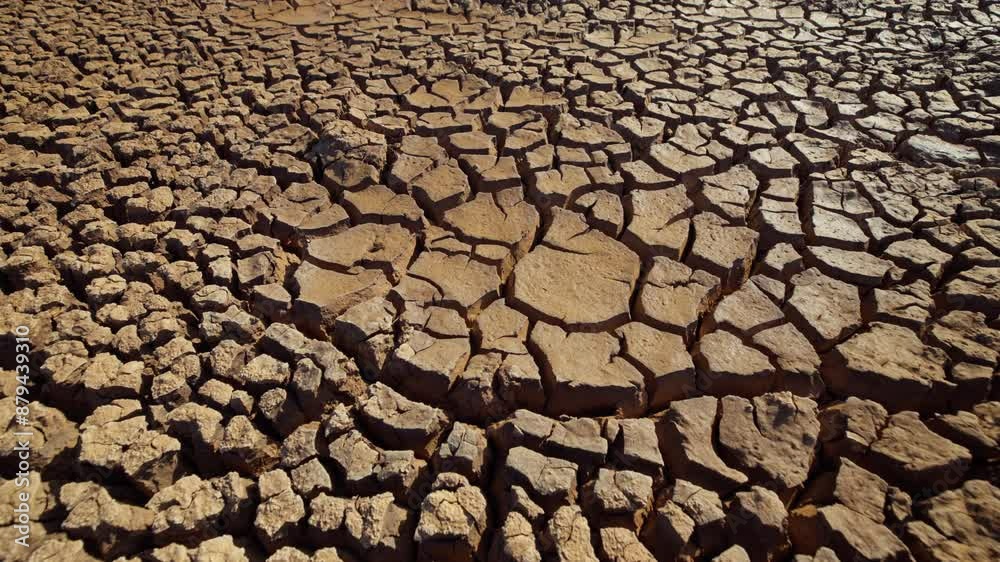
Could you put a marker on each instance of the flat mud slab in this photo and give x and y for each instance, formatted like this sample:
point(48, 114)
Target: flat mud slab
point(455, 281)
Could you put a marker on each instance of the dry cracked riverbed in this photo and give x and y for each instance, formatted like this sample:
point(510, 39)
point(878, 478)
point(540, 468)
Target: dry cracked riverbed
point(617, 280)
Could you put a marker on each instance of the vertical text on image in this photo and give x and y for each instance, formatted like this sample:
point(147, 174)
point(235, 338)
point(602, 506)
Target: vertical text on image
point(22, 435)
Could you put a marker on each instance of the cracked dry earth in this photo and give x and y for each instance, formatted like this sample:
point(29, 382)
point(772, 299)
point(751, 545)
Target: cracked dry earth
point(572, 281)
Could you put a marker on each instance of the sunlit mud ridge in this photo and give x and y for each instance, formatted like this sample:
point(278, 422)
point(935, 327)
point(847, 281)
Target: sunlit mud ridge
point(572, 281)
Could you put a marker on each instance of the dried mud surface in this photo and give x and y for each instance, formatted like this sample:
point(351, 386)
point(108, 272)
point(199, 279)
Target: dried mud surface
point(588, 280)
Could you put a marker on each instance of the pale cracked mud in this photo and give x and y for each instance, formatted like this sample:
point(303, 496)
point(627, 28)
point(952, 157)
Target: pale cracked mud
point(586, 280)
